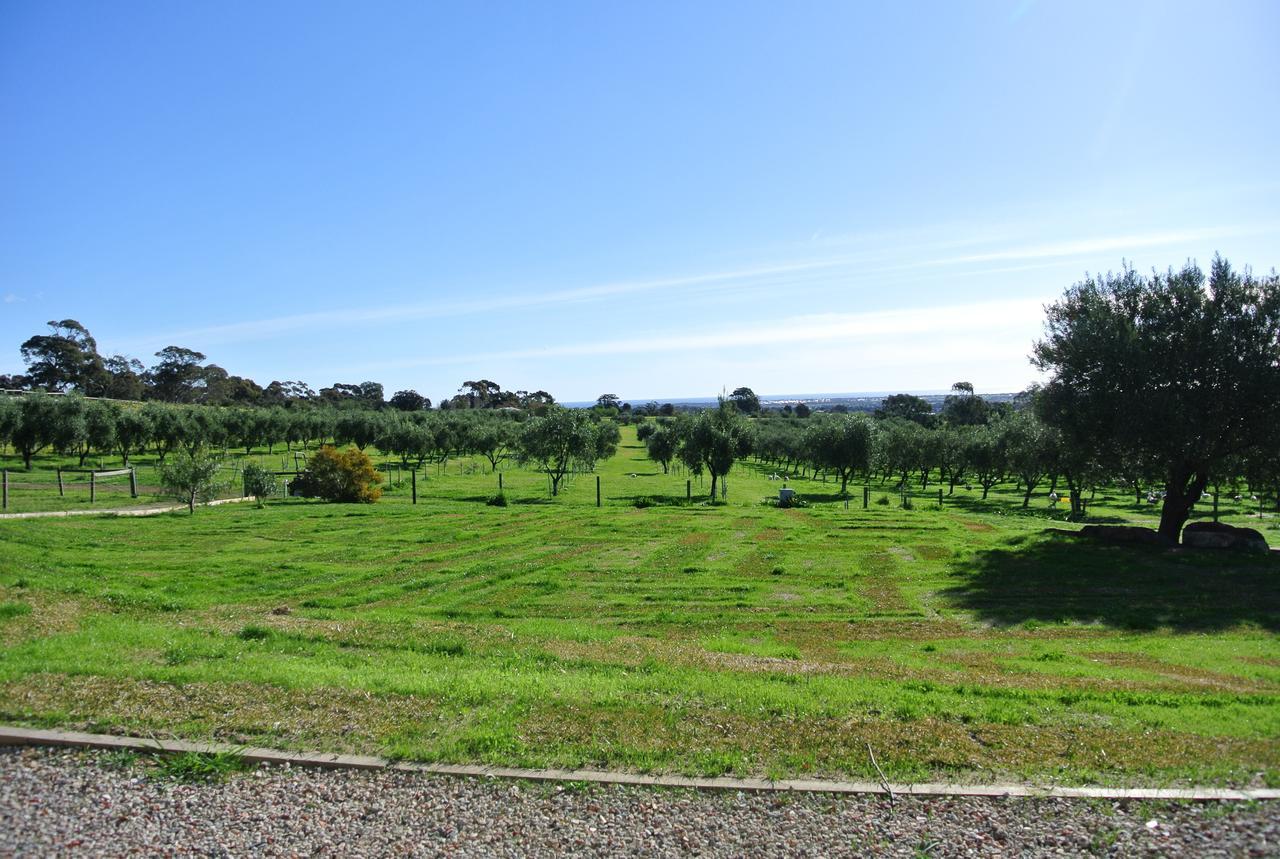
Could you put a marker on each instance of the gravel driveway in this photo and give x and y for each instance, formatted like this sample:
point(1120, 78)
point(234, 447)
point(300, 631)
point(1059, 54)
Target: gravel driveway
point(85, 803)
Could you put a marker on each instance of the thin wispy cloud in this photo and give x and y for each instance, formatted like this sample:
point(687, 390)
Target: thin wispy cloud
point(1094, 246)
point(813, 328)
point(434, 310)
point(886, 258)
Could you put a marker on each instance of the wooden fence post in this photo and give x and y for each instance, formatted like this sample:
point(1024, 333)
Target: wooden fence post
point(93, 486)
point(597, 490)
point(866, 496)
point(133, 481)
point(60, 489)
point(688, 490)
point(414, 475)
point(499, 482)
point(5, 480)
point(939, 496)
point(1215, 507)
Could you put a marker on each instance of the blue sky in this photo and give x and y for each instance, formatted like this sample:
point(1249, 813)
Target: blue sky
point(657, 200)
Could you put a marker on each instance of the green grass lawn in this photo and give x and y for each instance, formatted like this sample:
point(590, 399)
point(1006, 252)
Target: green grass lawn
point(961, 643)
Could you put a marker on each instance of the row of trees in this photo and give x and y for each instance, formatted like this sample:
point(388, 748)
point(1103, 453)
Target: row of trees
point(559, 441)
point(1015, 447)
point(1170, 380)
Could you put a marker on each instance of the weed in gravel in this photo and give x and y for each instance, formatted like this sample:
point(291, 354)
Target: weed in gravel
point(118, 759)
point(200, 766)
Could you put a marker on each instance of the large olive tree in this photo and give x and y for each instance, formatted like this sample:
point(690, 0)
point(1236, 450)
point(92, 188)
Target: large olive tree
point(1176, 372)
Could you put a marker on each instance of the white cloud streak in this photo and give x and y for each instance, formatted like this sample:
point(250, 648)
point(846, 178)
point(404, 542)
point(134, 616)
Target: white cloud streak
point(988, 317)
point(839, 269)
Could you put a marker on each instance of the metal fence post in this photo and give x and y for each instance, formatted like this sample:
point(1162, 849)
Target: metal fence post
point(61, 492)
point(133, 481)
point(6, 489)
point(597, 490)
point(93, 486)
point(688, 490)
point(414, 476)
point(866, 496)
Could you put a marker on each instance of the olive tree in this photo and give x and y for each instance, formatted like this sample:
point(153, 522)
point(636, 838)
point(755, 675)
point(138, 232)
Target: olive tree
point(191, 477)
point(1175, 372)
point(842, 444)
point(714, 440)
point(557, 442)
point(259, 482)
point(133, 432)
point(662, 444)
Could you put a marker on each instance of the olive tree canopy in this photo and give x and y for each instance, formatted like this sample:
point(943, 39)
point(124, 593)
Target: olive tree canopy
point(1173, 371)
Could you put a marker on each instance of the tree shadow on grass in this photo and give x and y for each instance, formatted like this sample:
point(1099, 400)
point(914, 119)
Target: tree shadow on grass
point(484, 499)
point(1037, 510)
point(660, 500)
point(830, 498)
point(1057, 578)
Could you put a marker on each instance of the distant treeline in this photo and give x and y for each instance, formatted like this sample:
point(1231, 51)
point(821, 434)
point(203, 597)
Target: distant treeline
point(67, 360)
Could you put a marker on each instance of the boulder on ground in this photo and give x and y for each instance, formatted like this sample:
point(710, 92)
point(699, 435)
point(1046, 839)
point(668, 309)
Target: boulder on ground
point(1217, 535)
point(1127, 534)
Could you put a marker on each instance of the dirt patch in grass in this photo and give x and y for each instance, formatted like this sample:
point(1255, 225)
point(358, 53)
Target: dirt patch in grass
point(769, 535)
point(50, 614)
point(932, 552)
point(619, 736)
point(1182, 675)
point(879, 586)
point(694, 539)
point(994, 670)
point(337, 719)
point(977, 527)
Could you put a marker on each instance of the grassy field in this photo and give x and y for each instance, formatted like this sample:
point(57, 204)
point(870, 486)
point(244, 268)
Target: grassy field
point(960, 642)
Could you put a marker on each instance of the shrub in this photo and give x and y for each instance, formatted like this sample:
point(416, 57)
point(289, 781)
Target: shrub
point(499, 500)
point(883, 501)
point(346, 476)
point(258, 481)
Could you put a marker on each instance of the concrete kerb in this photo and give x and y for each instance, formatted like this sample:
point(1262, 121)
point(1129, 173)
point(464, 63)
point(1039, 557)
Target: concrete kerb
point(73, 739)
